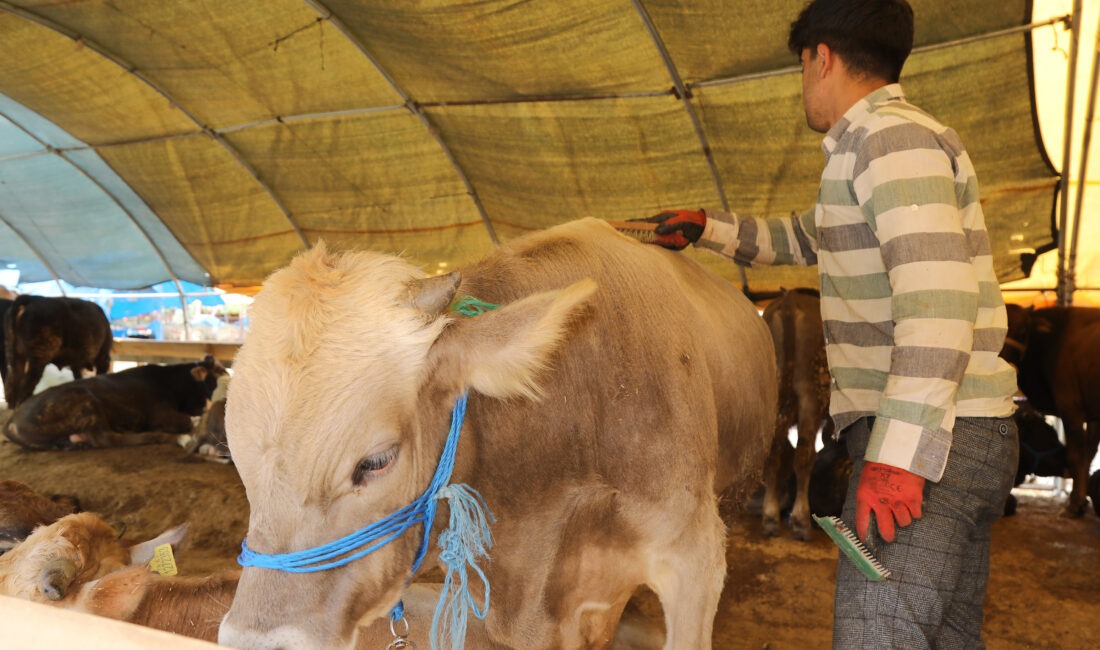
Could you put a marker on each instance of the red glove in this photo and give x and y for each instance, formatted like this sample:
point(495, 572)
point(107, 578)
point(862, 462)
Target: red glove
point(678, 228)
point(892, 494)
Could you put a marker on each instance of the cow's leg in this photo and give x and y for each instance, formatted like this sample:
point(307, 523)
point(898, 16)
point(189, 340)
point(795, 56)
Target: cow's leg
point(809, 420)
point(24, 387)
point(688, 580)
point(103, 357)
point(1080, 449)
point(775, 478)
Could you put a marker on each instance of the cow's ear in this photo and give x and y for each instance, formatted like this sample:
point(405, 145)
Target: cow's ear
point(199, 372)
point(142, 553)
point(433, 295)
point(501, 352)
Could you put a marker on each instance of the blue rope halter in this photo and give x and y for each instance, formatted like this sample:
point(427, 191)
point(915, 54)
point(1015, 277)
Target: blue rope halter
point(466, 539)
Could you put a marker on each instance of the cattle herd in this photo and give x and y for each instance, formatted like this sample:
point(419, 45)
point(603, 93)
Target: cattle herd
point(557, 424)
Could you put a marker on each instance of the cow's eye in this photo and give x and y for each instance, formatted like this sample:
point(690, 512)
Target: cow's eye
point(373, 465)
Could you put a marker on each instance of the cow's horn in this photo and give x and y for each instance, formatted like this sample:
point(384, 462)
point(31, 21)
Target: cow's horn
point(433, 295)
point(56, 577)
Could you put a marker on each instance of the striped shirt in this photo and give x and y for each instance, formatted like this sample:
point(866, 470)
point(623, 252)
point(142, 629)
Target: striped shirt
point(912, 309)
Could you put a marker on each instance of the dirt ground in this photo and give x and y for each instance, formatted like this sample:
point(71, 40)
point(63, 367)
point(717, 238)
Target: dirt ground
point(1044, 590)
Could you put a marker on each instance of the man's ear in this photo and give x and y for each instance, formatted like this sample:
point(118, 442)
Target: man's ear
point(824, 60)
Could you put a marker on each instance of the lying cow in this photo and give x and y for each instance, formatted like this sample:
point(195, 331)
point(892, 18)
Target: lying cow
point(67, 332)
point(142, 405)
point(803, 372)
point(1056, 351)
point(194, 606)
point(82, 565)
point(208, 441)
point(614, 394)
point(71, 551)
point(22, 510)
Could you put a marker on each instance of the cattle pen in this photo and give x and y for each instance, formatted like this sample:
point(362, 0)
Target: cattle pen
point(1044, 590)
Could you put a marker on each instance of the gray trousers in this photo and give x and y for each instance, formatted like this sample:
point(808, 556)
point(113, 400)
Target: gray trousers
point(940, 563)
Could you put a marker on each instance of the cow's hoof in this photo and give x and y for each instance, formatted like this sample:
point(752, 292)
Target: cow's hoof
point(771, 527)
point(802, 530)
point(1094, 491)
point(1073, 511)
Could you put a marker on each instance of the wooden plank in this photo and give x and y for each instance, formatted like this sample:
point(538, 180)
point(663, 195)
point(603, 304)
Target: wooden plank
point(33, 625)
point(151, 351)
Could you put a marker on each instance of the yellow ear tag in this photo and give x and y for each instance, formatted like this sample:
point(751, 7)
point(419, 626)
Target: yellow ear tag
point(163, 561)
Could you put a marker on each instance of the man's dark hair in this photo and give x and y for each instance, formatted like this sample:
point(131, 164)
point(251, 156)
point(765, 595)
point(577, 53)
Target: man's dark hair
point(874, 37)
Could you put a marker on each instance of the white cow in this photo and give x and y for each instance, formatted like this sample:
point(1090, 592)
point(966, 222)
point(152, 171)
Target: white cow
point(614, 394)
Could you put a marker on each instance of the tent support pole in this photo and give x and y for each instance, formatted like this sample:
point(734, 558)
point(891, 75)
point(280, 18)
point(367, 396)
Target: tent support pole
point(1079, 202)
point(1067, 147)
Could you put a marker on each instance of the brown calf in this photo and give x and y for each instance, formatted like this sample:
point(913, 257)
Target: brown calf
point(194, 607)
point(71, 551)
point(1056, 351)
point(795, 323)
point(22, 510)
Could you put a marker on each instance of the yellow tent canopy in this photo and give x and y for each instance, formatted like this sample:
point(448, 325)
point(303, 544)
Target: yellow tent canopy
point(210, 141)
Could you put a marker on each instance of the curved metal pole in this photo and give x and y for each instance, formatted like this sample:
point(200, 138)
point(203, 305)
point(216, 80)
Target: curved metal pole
point(46, 149)
point(37, 253)
point(133, 70)
point(1067, 146)
point(1086, 141)
point(685, 95)
point(414, 108)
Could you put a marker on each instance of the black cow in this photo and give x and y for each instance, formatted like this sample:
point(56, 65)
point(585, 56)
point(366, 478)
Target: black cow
point(829, 478)
point(62, 331)
point(117, 409)
point(5, 305)
point(794, 320)
point(1056, 351)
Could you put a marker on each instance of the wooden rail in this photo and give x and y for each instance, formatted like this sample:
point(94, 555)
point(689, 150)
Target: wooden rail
point(150, 351)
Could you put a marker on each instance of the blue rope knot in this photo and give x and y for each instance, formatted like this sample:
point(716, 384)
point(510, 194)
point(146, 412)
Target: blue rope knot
point(466, 540)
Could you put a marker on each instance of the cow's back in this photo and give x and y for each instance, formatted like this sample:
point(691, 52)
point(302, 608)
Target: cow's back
point(665, 340)
point(1058, 338)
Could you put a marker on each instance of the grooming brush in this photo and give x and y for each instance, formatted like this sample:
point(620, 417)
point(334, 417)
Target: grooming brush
point(847, 541)
point(640, 230)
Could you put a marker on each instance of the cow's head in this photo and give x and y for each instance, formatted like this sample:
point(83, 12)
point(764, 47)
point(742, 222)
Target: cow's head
point(205, 376)
point(340, 402)
point(69, 552)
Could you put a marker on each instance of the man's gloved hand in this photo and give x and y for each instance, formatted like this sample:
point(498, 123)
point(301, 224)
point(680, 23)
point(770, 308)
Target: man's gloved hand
point(677, 228)
point(892, 494)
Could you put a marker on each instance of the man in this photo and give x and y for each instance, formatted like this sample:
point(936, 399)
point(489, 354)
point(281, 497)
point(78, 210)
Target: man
point(913, 320)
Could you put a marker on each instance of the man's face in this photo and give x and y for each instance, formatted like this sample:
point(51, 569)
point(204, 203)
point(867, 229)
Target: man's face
point(812, 91)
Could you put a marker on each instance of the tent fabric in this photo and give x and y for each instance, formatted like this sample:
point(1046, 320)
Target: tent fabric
point(210, 141)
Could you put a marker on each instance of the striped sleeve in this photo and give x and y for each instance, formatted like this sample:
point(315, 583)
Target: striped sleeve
point(753, 241)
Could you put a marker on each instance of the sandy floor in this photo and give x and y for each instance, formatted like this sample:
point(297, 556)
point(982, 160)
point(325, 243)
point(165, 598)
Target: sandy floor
point(1044, 590)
